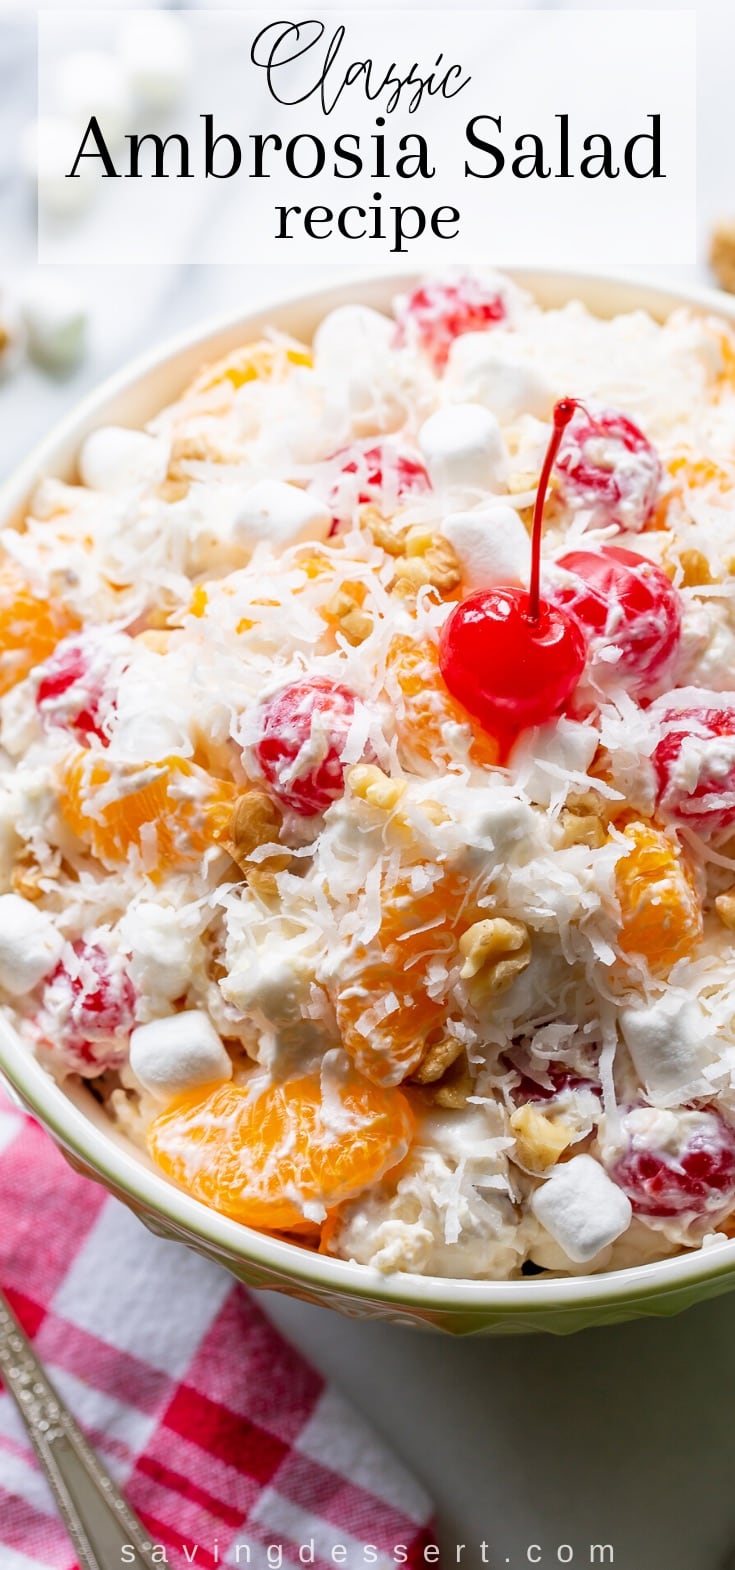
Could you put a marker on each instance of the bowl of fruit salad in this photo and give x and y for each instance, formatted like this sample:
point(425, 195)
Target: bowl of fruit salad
point(367, 797)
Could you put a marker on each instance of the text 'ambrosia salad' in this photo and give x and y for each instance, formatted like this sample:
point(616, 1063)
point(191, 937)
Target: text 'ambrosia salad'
point(370, 928)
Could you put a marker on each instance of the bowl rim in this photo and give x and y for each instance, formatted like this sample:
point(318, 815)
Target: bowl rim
point(116, 1162)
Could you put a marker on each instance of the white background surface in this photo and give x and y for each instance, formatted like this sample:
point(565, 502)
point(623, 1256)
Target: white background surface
point(622, 1436)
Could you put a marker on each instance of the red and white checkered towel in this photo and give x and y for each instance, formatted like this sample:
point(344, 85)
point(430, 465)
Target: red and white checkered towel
point(220, 1433)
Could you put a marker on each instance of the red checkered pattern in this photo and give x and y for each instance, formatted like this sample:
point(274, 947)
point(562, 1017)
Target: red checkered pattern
point(220, 1433)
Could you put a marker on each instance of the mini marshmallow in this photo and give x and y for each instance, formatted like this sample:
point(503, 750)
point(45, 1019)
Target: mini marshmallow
point(669, 1044)
point(114, 457)
point(481, 372)
point(282, 514)
point(349, 330)
point(55, 319)
point(464, 449)
point(566, 748)
point(30, 945)
point(491, 544)
point(48, 152)
point(92, 82)
point(156, 52)
point(581, 1208)
point(353, 354)
point(177, 1053)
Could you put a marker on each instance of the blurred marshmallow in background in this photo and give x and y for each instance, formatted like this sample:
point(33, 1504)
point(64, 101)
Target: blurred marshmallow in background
point(156, 56)
point(142, 64)
point(48, 149)
point(55, 320)
point(147, 67)
point(94, 82)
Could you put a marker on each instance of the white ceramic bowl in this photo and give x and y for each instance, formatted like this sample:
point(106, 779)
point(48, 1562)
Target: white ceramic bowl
point(74, 1118)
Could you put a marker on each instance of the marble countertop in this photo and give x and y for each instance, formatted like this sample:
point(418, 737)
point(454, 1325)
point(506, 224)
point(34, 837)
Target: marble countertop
point(621, 1436)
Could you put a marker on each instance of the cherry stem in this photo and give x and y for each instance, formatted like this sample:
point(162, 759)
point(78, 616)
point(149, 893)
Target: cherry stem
point(563, 413)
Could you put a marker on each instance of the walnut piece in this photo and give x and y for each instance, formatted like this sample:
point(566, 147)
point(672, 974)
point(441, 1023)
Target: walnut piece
point(722, 254)
point(255, 820)
point(454, 1090)
point(725, 907)
point(355, 622)
point(436, 1060)
point(451, 1086)
point(576, 828)
point(539, 1140)
point(495, 952)
point(695, 569)
point(429, 559)
point(25, 878)
point(262, 880)
point(389, 536)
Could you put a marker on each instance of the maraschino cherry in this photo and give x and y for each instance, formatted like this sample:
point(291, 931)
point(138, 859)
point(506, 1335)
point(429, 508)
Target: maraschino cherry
point(436, 313)
point(377, 472)
point(88, 1009)
point(304, 729)
point(609, 468)
point(697, 1177)
point(695, 768)
point(509, 656)
point(630, 611)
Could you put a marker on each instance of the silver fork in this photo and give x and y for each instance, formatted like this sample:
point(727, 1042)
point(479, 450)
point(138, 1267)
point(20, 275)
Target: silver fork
point(99, 1521)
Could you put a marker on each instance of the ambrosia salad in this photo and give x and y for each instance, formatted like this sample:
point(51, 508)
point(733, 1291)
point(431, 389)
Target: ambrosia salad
point(386, 906)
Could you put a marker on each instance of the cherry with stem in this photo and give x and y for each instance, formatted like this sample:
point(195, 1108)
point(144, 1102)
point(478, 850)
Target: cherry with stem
point(511, 657)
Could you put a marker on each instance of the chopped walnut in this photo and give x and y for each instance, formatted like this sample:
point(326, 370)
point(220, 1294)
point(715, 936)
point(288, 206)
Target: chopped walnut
point(25, 878)
point(725, 907)
point(575, 828)
point(590, 803)
point(436, 1060)
point(430, 559)
point(262, 879)
point(695, 569)
point(444, 1076)
point(455, 1088)
point(495, 952)
point(255, 820)
point(540, 1140)
point(722, 254)
point(347, 612)
point(420, 539)
point(369, 782)
point(386, 533)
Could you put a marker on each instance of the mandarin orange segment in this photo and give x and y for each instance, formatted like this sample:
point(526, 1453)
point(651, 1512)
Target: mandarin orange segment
point(168, 812)
point(661, 915)
point(428, 707)
point(30, 627)
point(689, 472)
point(694, 471)
point(262, 361)
point(262, 1156)
point(384, 1008)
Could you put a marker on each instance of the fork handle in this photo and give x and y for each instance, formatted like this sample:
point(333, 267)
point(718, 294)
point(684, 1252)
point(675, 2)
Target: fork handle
point(97, 1517)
